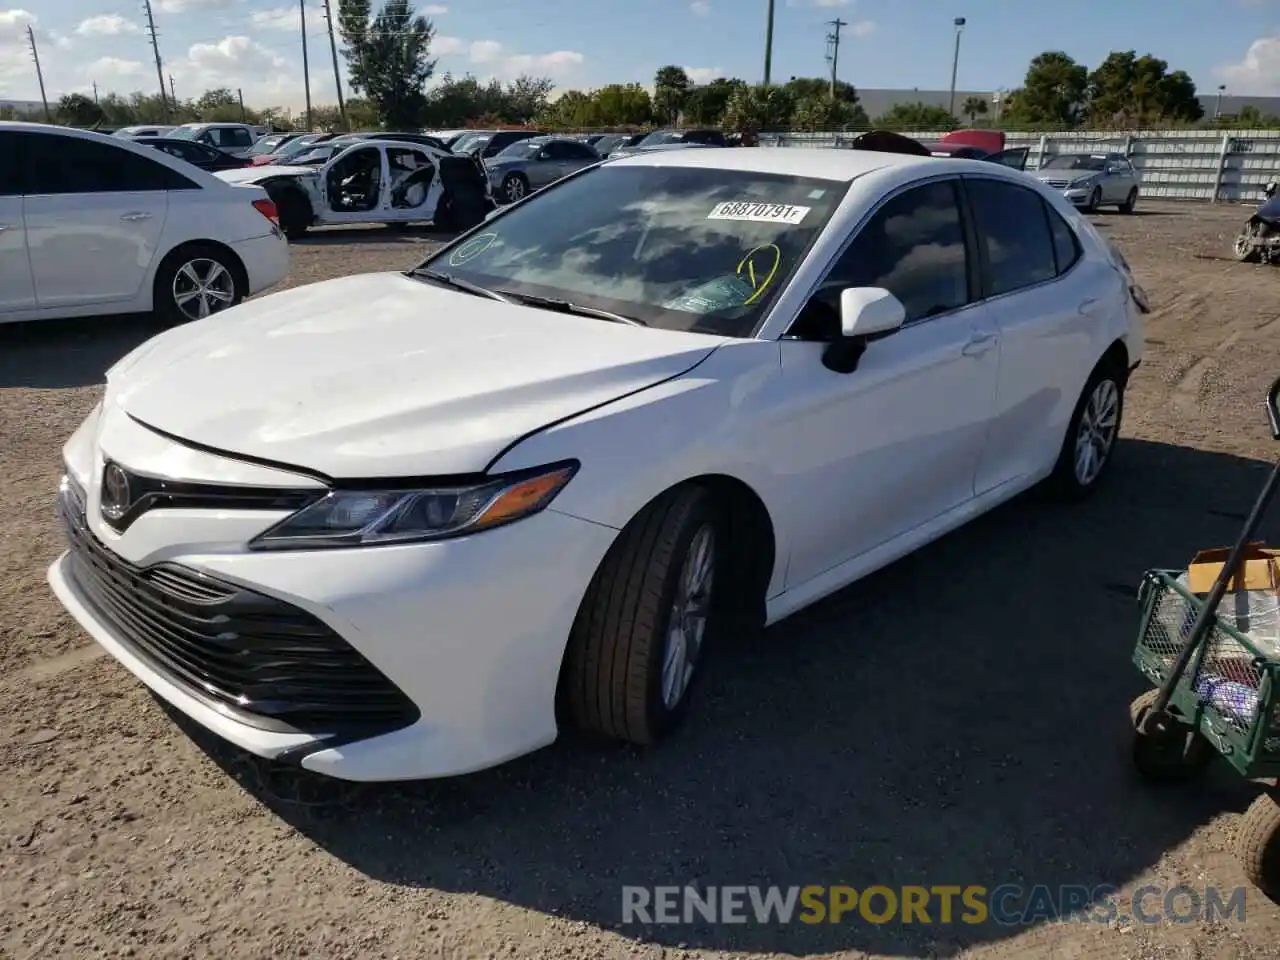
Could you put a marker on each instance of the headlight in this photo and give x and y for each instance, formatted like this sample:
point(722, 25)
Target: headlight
point(352, 518)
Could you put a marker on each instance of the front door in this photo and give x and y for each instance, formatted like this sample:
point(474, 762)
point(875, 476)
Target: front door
point(94, 215)
point(872, 454)
point(1044, 300)
point(17, 289)
point(354, 184)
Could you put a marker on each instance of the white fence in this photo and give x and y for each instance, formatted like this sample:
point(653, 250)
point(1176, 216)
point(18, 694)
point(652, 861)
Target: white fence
point(1221, 166)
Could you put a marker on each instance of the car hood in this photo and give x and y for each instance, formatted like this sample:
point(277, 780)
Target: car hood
point(261, 172)
point(1068, 175)
point(381, 375)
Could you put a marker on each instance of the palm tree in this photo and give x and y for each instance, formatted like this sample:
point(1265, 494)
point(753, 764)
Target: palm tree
point(973, 106)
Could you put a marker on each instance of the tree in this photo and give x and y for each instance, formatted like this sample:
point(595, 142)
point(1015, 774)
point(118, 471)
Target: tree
point(388, 58)
point(974, 107)
point(77, 110)
point(916, 116)
point(1129, 90)
point(213, 99)
point(752, 109)
point(822, 113)
point(1054, 92)
point(705, 105)
point(623, 105)
point(526, 97)
point(670, 91)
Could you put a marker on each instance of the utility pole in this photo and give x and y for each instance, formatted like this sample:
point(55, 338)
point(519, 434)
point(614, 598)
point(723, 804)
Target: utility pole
point(955, 63)
point(155, 49)
point(35, 55)
point(337, 78)
point(306, 71)
point(240, 95)
point(833, 50)
point(768, 45)
point(1217, 111)
point(95, 91)
point(173, 92)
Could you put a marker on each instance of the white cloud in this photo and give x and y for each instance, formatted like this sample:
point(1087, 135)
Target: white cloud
point(286, 18)
point(108, 71)
point(704, 74)
point(447, 46)
point(233, 59)
point(106, 25)
point(862, 28)
point(1257, 73)
point(700, 8)
point(15, 56)
point(189, 6)
point(505, 65)
point(434, 10)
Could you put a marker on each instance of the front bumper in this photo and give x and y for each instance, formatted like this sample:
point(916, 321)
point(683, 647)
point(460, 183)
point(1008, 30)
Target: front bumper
point(470, 631)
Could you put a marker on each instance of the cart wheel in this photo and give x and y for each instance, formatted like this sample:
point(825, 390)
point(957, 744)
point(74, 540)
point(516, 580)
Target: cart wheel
point(1171, 757)
point(1258, 845)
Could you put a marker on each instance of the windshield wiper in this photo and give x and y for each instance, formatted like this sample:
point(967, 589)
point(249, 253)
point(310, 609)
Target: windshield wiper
point(451, 281)
point(564, 306)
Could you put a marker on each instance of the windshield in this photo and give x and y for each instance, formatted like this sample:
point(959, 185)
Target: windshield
point(266, 145)
point(318, 155)
point(188, 131)
point(1074, 161)
point(521, 149)
point(473, 142)
point(676, 247)
point(660, 137)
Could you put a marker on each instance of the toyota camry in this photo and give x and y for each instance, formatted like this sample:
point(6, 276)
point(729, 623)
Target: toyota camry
point(406, 525)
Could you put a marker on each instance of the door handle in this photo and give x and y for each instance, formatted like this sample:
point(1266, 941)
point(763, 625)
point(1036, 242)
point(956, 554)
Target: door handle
point(136, 215)
point(979, 344)
point(1087, 305)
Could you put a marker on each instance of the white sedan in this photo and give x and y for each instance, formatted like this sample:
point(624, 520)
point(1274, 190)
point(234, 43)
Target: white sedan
point(92, 224)
point(396, 526)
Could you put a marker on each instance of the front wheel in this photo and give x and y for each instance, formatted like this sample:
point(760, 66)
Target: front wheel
point(648, 615)
point(1130, 201)
point(1091, 434)
point(1095, 200)
point(197, 281)
point(1258, 845)
point(1245, 248)
point(514, 187)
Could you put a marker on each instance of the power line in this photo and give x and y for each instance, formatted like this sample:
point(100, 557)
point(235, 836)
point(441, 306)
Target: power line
point(35, 55)
point(155, 49)
point(833, 50)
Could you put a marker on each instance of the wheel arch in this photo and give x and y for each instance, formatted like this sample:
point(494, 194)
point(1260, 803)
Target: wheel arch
point(242, 273)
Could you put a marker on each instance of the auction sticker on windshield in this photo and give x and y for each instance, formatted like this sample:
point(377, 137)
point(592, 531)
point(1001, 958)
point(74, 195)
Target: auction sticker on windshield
point(759, 212)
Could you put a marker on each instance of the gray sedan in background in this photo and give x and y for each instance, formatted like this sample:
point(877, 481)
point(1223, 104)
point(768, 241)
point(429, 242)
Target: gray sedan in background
point(532, 164)
point(1091, 180)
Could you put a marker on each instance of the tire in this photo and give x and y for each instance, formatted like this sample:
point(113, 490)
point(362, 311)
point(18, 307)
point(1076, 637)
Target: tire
point(1243, 249)
point(212, 273)
point(614, 683)
point(1095, 199)
point(1067, 483)
point(294, 210)
point(1130, 201)
point(1172, 759)
point(1257, 845)
point(515, 187)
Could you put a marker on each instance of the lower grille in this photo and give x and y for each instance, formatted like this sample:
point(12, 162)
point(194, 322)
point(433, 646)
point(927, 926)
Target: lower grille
point(264, 661)
point(1057, 184)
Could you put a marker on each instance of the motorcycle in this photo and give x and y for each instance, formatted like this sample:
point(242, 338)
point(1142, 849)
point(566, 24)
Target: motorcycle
point(1259, 241)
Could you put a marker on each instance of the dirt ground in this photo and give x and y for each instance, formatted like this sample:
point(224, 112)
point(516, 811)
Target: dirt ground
point(959, 718)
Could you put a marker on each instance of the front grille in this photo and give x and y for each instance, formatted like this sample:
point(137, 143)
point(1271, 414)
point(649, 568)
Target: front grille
point(264, 661)
point(1057, 184)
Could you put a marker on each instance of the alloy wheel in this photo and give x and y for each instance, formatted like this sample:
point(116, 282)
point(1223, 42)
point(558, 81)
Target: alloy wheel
point(1096, 434)
point(688, 621)
point(202, 287)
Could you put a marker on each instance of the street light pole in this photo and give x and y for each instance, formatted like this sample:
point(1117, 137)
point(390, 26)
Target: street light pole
point(768, 45)
point(955, 64)
point(1218, 110)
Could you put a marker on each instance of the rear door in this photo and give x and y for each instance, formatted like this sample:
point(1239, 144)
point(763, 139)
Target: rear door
point(95, 214)
point(17, 288)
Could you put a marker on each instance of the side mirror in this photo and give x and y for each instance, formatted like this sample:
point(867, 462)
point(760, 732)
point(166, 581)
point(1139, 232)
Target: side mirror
point(866, 314)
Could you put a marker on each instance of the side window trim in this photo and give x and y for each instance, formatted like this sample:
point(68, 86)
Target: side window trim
point(856, 231)
point(1076, 247)
point(986, 271)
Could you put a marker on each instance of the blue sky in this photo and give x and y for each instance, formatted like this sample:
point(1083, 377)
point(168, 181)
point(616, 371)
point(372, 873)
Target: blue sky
point(255, 44)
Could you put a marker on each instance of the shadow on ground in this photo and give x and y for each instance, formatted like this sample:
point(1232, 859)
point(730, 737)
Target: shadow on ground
point(342, 236)
point(53, 354)
point(958, 718)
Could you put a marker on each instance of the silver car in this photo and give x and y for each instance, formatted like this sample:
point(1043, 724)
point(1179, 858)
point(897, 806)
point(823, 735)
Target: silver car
point(1092, 180)
point(534, 163)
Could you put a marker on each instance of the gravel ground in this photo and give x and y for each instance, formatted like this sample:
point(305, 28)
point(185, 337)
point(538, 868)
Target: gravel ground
point(959, 718)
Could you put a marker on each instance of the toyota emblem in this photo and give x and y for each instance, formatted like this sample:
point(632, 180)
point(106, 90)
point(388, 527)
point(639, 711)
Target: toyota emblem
point(116, 495)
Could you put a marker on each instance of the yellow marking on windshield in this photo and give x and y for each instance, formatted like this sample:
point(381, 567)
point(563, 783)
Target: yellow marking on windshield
point(748, 263)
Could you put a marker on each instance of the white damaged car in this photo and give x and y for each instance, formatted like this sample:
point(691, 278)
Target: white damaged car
point(405, 525)
point(372, 181)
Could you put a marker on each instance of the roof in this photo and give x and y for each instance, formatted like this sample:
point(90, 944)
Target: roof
point(790, 161)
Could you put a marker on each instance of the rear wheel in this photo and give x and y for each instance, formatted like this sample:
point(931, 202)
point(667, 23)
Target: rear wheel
point(1258, 845)
point(1245, 249)
point(196, 281)
point(515, 187)
point(1091, 435)
point(648, 615)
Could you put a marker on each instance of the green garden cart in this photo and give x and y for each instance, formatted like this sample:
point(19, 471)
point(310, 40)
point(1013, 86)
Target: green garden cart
point(1216, 672)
